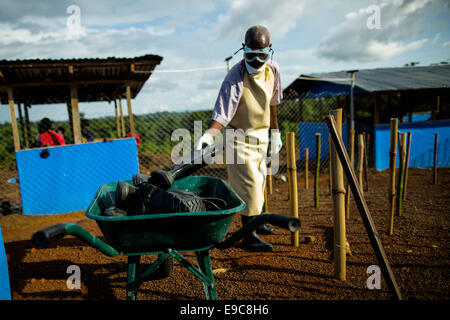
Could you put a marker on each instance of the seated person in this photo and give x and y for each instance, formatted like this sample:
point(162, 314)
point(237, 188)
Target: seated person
point(86, 134)
point(138, 139)
point(48, 137)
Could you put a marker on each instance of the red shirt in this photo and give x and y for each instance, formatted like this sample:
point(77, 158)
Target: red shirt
point(51, 138)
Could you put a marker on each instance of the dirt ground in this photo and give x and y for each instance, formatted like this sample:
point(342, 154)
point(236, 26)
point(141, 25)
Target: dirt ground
point(418, 252)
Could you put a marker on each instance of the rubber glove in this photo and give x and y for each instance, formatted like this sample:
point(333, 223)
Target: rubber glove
point(275, 141)
point(206, 138)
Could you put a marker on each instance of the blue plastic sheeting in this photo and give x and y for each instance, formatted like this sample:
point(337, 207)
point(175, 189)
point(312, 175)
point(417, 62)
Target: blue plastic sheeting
point(69, 177)
point(418, 117)
point(5, 291)
point(307, 134)
point(422, 144)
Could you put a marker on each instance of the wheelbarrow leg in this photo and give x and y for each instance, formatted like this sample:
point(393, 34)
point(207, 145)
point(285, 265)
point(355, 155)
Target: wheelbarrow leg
point(133, 262)
point(204, 262)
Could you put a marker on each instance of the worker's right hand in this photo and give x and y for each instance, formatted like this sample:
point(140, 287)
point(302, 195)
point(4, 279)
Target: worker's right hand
point(206, 138)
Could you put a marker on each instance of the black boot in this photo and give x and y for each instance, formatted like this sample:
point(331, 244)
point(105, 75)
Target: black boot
point(254, 243)
point(265, 229)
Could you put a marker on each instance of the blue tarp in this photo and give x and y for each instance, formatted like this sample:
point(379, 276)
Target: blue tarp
point(422, 144)
point(307, 134)
point(69, 177)
point(5, 291)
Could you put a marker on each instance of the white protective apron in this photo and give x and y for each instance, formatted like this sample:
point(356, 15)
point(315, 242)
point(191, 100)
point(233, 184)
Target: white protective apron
point(247, 174)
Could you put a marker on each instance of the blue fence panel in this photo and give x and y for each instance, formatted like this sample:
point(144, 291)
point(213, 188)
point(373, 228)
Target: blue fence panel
point(422, 144)
point(307, 132)
point(69, 177)
point(5, 291)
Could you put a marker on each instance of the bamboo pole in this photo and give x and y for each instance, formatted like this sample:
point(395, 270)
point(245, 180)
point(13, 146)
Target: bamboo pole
point(408, 148)
point(306, 169)
point(266, 205)
point(392, 160)
point(330, 180)
point(401, 178)
point(117, 118)
point(435, 177)
point(75, 114)
point(269, 177)
point(366, 160)
point(130, 111)
point(360, 160)
point(292, 173)
point(316, 176)
point(366, 217)
point(122, 121)
point(12, 112)
point(351, 146)
point(339, 206)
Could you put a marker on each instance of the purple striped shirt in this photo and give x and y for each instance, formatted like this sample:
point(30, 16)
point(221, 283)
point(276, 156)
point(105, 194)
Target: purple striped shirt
point(231, 91)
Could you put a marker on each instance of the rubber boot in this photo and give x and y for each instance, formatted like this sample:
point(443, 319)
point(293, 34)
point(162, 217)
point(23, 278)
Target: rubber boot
point(265, 229)
point(254, 243)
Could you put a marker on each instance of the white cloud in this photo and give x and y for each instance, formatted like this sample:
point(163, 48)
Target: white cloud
point(447, 44)
point(278, 16)
point(401, 25)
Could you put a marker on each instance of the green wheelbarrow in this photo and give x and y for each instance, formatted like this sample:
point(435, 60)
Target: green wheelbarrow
point(167, 235)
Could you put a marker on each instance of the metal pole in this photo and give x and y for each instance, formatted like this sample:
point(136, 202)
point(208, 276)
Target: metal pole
point(228, 62)
point(352, 106)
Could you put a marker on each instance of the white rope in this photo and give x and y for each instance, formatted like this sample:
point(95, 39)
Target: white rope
point(182, 70)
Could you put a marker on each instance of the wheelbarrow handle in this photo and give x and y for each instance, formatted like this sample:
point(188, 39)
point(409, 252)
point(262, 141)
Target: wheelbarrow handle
point(43, 237)
point(278, 220)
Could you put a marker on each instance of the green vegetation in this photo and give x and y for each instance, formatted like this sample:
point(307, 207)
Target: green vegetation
point(156, 129)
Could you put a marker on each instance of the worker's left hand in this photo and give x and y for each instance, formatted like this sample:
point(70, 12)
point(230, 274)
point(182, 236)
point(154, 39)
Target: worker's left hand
point(275, 141)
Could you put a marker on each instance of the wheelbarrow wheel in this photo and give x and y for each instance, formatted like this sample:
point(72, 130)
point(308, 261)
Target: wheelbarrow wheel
point(164, 270)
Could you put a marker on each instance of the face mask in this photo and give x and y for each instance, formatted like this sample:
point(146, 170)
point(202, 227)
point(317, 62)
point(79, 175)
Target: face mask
point(252, 70)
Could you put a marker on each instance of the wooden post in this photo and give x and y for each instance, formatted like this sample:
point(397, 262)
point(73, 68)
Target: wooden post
point(316, 176)
point(392, 156)
point(75, 114)
point(330, 179)
point(22, 125)
point(366, 161)
point(28, 125)
point(306, 169)
point(121, 118)
point(401, 177)
point(339, 248)
point(351, 146)
point(360, 160)
point(376, 111)
point(266, 205)
point(435, 178)
point(130, 111)
point(408, 148)
point(292, 173)
point(269, 178)
point(117, 119)
point(12, 111)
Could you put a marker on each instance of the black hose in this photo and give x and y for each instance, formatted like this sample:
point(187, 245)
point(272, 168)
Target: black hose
point(278, 220)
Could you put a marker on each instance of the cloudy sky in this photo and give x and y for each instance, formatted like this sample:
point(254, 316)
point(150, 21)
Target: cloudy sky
point(308, 36)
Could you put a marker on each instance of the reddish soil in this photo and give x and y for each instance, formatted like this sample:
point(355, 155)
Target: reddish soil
point(418, 252)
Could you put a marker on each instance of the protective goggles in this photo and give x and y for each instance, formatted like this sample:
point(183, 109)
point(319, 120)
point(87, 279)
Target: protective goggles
point(262, 55)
